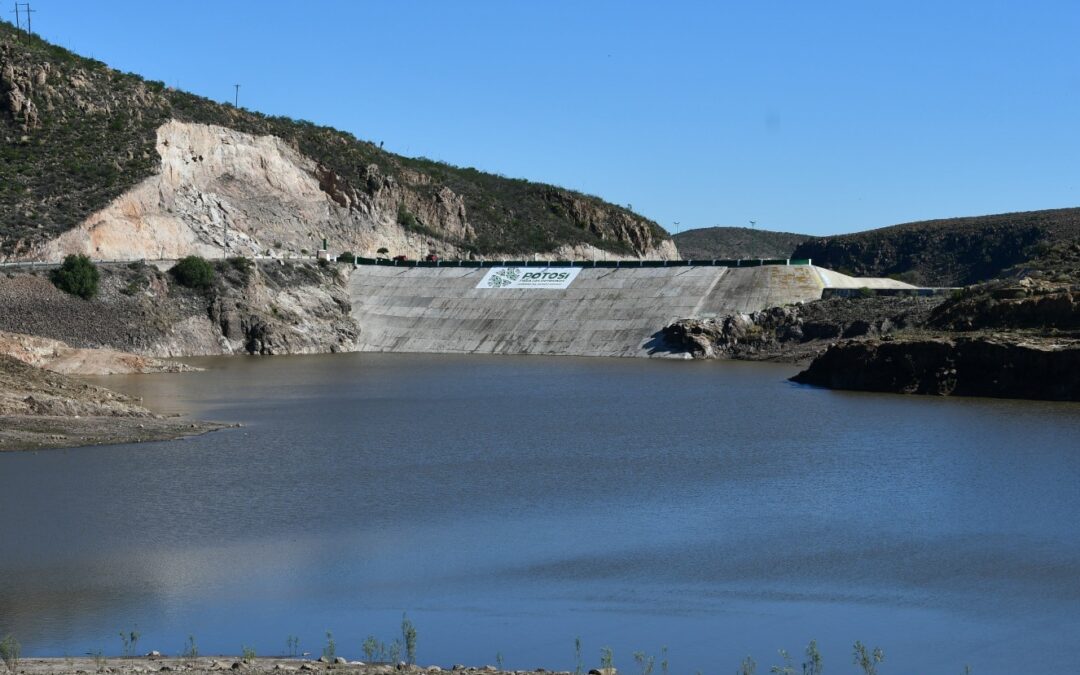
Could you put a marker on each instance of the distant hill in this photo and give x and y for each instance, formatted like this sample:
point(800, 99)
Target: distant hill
point(713, 243)
point(953, 251)
point(75, 135)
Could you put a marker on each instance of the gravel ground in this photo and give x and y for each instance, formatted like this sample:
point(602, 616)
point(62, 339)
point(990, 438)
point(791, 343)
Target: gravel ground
point(114, 319)
point(210, 664)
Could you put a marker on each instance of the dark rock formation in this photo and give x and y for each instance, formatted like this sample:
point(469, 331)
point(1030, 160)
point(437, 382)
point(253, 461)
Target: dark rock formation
point(984, 366)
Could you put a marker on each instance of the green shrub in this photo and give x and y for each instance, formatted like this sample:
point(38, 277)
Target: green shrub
point(10, 652)
point(193, 272)
point(347, 257)
point(77, 276)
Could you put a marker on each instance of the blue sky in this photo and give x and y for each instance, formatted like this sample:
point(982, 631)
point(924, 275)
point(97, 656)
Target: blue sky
point(817, 117)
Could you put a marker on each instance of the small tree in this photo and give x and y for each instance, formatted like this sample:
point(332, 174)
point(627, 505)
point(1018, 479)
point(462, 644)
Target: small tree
point(383, 251)
point(194, 272)
point(77, 276)
point(866, 659)
point(10, 651)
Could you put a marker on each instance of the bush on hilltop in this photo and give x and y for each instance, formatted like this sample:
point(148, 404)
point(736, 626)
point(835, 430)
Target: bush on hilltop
point(77, 276)
point(193, 272)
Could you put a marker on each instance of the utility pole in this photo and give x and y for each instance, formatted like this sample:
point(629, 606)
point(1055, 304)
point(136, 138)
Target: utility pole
point(753, 224)
point(236, 96)
point(18, 23)
point(676, 227)
point(29, 28)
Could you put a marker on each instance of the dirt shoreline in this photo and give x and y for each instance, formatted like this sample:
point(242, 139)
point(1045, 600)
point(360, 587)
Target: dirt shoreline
point(41, 410)
point(50, 432)
point(210, 664)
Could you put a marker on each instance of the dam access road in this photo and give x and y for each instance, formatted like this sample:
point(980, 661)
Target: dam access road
point(597, 311)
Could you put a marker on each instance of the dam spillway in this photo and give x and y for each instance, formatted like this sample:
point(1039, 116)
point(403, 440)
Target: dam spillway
point(602, 311)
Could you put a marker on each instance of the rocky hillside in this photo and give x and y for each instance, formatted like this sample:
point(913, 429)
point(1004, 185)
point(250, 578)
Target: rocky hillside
point(110, 158)
point(274, 307)
point(717, 243)
point(951, 252)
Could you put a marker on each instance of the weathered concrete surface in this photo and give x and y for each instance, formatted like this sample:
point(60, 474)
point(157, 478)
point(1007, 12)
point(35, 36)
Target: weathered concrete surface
point(604, 312)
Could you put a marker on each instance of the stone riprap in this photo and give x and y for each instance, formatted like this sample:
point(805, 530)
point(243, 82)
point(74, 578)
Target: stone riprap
point(604, 311)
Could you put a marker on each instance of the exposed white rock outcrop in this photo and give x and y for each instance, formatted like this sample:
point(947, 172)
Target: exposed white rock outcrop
point(221, 192)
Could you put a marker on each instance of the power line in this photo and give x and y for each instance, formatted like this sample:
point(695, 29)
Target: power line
point(29, 26)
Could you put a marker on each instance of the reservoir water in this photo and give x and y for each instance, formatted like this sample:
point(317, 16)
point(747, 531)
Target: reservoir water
point(512, 504)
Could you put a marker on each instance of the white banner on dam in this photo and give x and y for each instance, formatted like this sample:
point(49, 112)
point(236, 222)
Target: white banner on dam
point(529, 277)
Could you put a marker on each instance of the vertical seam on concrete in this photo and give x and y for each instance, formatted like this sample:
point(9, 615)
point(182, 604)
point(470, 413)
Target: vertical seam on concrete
point(706, 294)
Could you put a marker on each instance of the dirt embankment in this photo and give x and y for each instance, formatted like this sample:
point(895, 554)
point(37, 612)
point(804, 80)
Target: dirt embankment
point(40, 409)
point(60, 357)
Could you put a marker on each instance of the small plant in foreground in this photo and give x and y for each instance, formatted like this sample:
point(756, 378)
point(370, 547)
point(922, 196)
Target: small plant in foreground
point(10, 651)
point(813, 664)
point(100, 662)
point(607, 658)
point(247, 654)
point(866, 659)
point(373, 649)
point(663, 661)
point(129, 643)
point(787, 668)
point(190, 652)
point(330, 650)
point(645, 662)
point(408, 634)
point(579, 665)
point(292, 646)
point(748, 666)
point(498, 660)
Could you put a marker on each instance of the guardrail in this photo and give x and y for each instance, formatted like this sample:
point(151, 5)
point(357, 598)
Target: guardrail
point(610, 264)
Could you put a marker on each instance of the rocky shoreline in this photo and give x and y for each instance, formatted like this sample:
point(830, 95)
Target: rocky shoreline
point(1003, 339)
point(212, 664)
point(999, 367)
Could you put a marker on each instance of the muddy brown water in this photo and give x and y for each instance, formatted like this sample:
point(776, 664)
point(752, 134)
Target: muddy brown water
point(512, 504)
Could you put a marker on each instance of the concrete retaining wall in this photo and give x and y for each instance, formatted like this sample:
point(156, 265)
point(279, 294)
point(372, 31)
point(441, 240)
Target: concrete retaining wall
point(604, 312)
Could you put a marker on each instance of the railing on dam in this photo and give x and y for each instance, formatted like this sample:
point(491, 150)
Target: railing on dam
point(612, 264)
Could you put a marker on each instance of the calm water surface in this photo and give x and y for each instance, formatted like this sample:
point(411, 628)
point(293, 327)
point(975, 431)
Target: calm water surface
point(511, 504)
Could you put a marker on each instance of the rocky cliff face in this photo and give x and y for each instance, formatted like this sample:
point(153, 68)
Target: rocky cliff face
point(142, 170)
point(220, 191)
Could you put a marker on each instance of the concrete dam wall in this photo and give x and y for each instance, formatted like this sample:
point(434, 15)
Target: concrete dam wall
point(600, 312)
